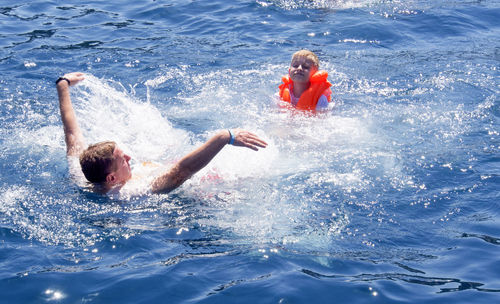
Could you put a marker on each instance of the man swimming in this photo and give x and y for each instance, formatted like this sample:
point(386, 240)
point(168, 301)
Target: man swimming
point(106, 165)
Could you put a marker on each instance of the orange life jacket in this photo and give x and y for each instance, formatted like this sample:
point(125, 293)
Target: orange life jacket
point(309, 98)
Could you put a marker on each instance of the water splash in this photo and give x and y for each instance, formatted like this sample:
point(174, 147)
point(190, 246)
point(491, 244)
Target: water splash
point(317, 4)
point(320, 185)
point(106, 111)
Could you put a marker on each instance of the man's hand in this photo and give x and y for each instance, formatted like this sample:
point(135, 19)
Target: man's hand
point(247, 139)
point(73, 78)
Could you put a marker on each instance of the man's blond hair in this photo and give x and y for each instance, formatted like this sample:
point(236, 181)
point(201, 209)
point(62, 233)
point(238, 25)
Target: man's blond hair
point(309, 55)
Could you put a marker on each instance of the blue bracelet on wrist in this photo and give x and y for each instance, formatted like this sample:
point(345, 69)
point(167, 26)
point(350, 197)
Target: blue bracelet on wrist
point(231, 137)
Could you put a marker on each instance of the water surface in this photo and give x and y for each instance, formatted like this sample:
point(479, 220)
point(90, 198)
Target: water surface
point(390, 197)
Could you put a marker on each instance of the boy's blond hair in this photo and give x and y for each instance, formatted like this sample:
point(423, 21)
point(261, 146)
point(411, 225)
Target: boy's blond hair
point(309, 55)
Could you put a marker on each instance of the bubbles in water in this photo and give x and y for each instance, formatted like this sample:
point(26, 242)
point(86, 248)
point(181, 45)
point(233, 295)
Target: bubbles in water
point(317, 4)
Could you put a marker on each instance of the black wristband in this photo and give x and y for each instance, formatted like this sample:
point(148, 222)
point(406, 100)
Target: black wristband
point(63, 78)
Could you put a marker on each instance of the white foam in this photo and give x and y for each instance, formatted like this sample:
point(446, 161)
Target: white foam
point(318, 4)
point(106, 113)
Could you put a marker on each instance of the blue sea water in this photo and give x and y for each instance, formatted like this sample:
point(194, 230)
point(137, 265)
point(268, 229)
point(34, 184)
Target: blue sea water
point(391, 197)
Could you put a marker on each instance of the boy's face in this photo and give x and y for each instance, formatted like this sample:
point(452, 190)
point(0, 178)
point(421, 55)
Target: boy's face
point(301, 68)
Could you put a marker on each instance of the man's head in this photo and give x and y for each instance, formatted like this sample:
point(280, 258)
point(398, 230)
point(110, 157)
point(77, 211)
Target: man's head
point(304, 64)
point(105, 162)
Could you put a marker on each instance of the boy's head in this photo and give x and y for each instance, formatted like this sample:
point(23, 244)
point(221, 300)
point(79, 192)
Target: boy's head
point(308, 55)
point(304, 64)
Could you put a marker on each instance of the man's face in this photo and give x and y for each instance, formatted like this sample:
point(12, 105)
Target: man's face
point(301, 68)
point(121, 164)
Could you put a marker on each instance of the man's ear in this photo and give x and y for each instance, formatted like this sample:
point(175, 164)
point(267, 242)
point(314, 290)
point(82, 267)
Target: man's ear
point(110, 178)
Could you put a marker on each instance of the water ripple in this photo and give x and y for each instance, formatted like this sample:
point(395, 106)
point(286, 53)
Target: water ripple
point(413, 279)
point(486, 238)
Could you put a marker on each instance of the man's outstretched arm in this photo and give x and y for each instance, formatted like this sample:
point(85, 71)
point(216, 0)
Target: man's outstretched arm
point(199, 158)
point(72, 133)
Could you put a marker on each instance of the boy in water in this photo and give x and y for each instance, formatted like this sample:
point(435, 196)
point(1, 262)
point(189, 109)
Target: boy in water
point(306, 87)
point(106, 165)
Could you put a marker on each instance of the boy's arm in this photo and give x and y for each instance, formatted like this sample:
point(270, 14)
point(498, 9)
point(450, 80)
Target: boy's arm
point(72, 133)
point(199, 158)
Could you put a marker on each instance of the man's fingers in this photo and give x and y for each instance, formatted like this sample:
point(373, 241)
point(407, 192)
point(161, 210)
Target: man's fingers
point(248, 139)
point(257, 141)
point(75, 77)
point(253, 143)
